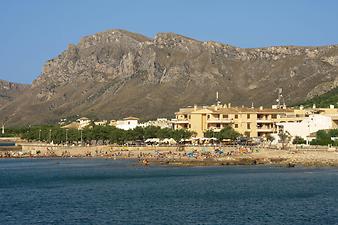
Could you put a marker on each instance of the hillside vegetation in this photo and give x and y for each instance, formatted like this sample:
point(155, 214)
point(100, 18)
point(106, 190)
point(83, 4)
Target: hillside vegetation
point(325, 100)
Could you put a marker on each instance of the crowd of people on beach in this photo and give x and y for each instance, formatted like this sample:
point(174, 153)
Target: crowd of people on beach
point(180, 154)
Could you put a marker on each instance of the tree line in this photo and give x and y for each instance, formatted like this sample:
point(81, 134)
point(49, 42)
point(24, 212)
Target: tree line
point(112, 135)
point(106, 134)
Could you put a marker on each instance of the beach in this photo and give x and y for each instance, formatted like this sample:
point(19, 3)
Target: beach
point(185, 155)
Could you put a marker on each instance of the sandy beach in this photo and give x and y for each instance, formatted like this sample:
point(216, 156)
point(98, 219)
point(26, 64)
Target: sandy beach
point(187, 155)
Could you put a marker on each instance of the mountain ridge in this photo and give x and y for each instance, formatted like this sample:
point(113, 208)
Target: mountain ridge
point(9, 91)
point(118, 73)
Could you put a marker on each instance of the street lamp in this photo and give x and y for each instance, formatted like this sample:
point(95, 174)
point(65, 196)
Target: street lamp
point(39, 135)
point(50, 135)
point(81, 136)
point(66, 136)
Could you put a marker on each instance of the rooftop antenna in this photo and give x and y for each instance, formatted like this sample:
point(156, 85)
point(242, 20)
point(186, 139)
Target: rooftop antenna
point(218, 102)
point(280, 100)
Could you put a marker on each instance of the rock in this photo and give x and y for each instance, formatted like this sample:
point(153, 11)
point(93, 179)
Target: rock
point(9, 91)
point(332, 60)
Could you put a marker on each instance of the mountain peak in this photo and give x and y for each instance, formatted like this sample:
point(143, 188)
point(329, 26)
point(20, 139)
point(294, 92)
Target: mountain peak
point(115, 73)
point(111, 36)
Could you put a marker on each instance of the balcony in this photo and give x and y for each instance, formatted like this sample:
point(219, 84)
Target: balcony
point(218, 120)
point(264, 129)
point(180, 121)
point(264, 121)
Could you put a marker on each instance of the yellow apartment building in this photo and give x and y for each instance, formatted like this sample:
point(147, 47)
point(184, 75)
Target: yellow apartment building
point(251, 122)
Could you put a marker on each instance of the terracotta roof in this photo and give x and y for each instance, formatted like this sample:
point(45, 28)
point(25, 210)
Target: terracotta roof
point(185, 111)
point(250, 110)
point(232, 110)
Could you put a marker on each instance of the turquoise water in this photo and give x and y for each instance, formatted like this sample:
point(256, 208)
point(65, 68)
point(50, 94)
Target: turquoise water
point(98, 191)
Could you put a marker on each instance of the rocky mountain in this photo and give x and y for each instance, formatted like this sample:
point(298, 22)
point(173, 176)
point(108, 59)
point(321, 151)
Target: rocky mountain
point(117, 73)
point(9, 91)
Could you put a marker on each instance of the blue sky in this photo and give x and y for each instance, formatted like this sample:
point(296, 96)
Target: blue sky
point(31, 32)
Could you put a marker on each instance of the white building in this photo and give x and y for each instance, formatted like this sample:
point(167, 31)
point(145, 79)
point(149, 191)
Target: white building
point(101, 123)
point(83, 122)
point(112, 123)
point(160, 122)
point(309, 125)
point(62, 121)
point(127, 123)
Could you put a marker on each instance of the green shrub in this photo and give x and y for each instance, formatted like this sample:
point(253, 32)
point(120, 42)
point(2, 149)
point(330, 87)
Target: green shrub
point(298, 140)
point(226, 133)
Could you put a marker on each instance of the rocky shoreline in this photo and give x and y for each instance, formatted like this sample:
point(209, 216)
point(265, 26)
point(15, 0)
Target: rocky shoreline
point(273, 158)
point(244, 161)
point(196, 157)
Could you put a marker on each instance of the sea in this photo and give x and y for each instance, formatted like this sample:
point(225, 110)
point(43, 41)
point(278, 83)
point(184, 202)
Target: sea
point(7, 144)
point(105, 191)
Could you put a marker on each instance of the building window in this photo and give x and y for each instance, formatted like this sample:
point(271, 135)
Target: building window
point(189, 117)
point(274, 116)
point(236, 125)
point(248, 125)
point(236, 116)
point(208, 116)
point(248, 116)
point(226, 116)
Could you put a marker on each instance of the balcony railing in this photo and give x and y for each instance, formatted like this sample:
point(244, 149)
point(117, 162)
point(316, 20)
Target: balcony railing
point(219, 120)
point(265, 121)
point(264, 129)
point(180, 121)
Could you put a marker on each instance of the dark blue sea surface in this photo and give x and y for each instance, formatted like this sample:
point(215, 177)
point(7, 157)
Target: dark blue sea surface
point(99, 191)
point(7, 144)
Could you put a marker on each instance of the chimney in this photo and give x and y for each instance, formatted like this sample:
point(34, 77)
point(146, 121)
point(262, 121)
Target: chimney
point(229, 105)
point(260, 107)
point(195, 107)
point(225, 106)
point(331, 106)
point(314, 106)
point(301, 107)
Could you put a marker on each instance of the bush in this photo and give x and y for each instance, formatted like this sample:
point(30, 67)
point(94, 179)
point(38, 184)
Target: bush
point(298, 140)
point(322, 138)
point(225, 133)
